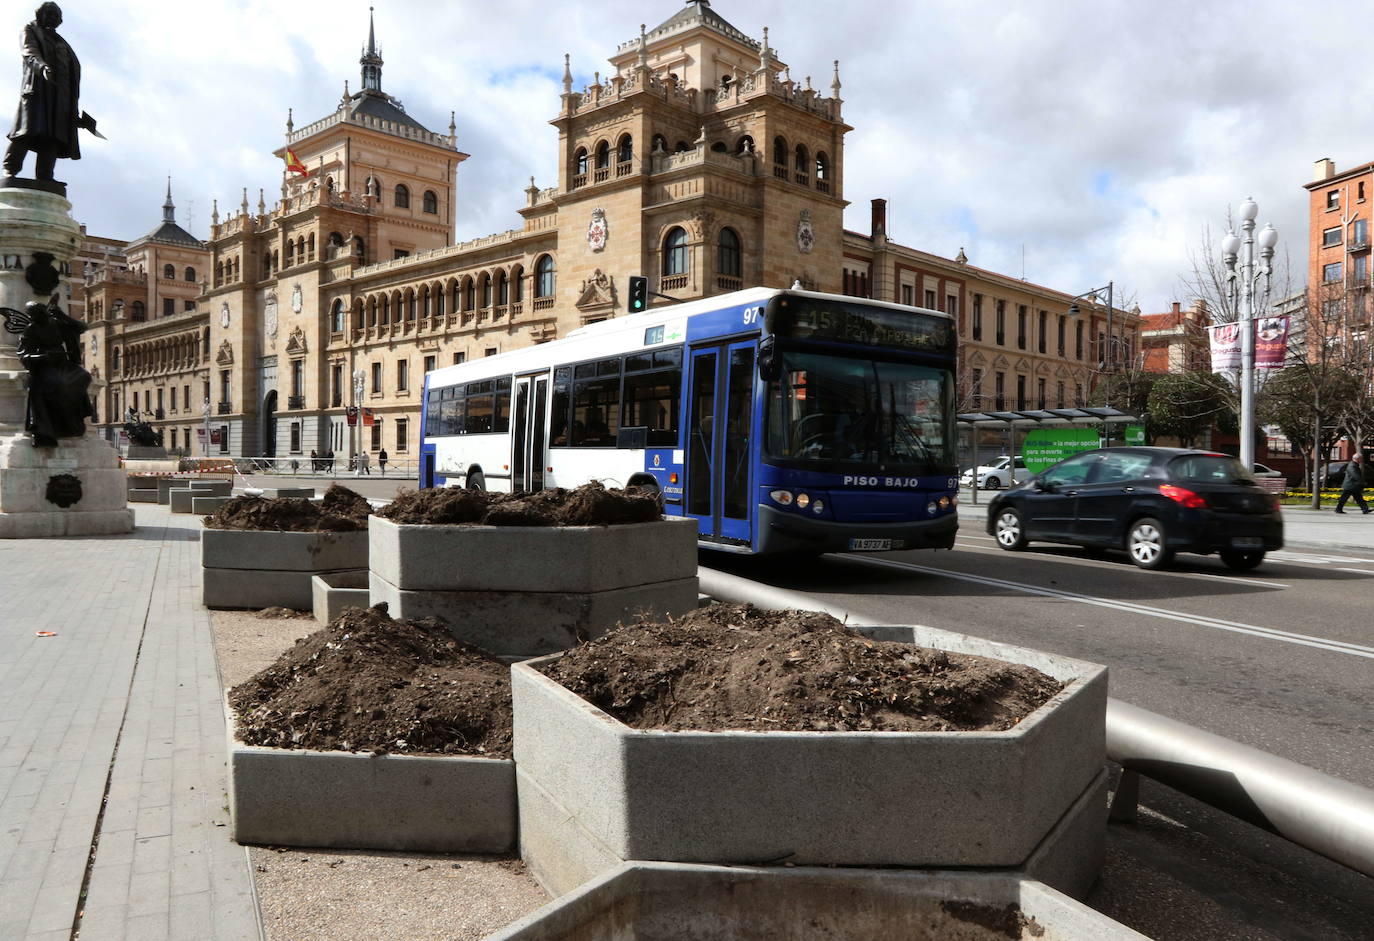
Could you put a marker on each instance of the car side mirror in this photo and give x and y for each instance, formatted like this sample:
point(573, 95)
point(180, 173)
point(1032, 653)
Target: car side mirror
point(1047, 486)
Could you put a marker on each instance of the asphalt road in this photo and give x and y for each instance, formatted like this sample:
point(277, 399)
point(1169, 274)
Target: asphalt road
point(1281, 658)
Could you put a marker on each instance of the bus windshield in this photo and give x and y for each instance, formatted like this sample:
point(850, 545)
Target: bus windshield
point(850, 412)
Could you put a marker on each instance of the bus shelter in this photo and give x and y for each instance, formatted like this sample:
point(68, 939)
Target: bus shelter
point(1022, 421)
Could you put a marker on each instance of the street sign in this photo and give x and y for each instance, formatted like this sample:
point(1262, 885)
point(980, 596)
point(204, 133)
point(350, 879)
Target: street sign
point(1045, 447)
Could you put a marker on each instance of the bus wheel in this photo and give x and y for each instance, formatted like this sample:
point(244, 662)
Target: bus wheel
point(642, 485)
point(477, 481)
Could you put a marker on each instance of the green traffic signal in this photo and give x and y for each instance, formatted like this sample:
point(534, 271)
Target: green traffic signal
point(639, 293)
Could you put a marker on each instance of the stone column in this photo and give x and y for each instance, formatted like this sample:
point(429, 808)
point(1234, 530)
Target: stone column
point(78, 487)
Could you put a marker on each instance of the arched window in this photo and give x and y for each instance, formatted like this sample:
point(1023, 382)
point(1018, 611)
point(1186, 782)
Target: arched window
point(469, 294)
point(360, 248)
point(276, 260)
point(411, 306)
point(779, 152)
point(675, 252)
point(719, 147)
point(336, 316)
point(455, 305)
point(580, 161)
point(219, 272)
point(359, 313)
point(803, 164)
point(603, 155)
point(543, 277)
point(502, 288)
point(438, 301)
point(114, 360)
point(290, 251)
point(169, 272)
point(300, 249)
point(386, 309)
point(822, 167)
point(310, 244)
point(486, 291)
point(402, 196)
point(517, 278)
point(431, 202)
point(266, 265)
point(137, 311)
point(190, 273)
point(625, 150)
point(682, 147)
point(335, 244)
point(728, 260)
point(372, 311)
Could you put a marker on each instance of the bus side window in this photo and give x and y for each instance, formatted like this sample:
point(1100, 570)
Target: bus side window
point(558, 416)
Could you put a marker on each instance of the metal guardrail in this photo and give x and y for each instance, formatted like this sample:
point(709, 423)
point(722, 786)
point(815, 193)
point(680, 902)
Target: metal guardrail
point(1322, 813)
point(304, 466)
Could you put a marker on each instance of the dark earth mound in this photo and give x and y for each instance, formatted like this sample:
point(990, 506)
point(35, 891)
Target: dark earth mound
point(370, 683)
point(341, 511)
point(589, 505)
point(731, 666)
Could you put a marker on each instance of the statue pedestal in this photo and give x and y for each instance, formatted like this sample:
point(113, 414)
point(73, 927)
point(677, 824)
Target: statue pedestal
point(78, 487)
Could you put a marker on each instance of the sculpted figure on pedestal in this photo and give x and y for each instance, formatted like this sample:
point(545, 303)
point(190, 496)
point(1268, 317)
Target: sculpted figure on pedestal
point(50, 349)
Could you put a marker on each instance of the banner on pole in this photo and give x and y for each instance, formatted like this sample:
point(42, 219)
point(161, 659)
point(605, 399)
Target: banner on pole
point(1271, 342)
point(1225, 340)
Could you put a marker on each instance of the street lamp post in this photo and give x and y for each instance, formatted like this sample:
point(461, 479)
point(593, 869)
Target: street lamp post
point(1242, 284)
point(356, 438)
point(1106, 362)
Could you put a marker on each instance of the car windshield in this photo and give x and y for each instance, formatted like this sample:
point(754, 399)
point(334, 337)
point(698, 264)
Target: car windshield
point(1210, 468)
point(848, 411)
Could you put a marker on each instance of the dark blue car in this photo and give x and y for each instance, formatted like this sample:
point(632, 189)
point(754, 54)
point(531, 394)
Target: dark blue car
point(1151, 502)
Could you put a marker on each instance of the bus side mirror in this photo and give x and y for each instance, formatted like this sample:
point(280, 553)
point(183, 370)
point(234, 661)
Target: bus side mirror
point(769, 367)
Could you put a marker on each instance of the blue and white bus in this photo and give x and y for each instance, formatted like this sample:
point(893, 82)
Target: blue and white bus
point(782, 421)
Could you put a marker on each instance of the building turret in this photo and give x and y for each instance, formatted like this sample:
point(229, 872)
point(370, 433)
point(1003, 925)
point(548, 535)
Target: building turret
point(371, 60)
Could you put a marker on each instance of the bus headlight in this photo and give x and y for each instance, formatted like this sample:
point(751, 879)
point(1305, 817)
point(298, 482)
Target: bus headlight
point(931, 507)
point(803, 500)
point(782, 497)
point(818, 507)
point(944, 503)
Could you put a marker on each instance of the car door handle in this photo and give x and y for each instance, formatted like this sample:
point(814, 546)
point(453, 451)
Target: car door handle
point(1128, 490)
point(1070, 493)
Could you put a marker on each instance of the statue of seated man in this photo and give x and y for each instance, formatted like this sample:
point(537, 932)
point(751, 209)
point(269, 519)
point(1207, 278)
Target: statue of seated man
point(50, 349)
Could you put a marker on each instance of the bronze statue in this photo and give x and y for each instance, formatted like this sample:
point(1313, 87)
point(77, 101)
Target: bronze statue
point(48, 117)
point(50, 348)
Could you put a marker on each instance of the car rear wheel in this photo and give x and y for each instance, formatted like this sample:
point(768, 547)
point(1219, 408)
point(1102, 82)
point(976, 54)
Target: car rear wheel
point(1242, 560)
point(1145, 543)
point(1011, 531)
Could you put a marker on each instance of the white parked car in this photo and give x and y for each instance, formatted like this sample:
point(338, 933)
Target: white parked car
point(1263, 471)
point(1000, 473)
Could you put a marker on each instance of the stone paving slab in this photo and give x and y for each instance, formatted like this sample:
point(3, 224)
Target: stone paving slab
point(123, 703)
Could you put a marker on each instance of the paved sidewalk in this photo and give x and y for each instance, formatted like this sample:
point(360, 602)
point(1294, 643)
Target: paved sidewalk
point(123, 705)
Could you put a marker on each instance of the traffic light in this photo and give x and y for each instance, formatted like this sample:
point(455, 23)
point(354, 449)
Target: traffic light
point(639, 293)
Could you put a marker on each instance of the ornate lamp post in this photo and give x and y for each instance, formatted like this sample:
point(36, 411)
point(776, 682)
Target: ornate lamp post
point(1242, 284)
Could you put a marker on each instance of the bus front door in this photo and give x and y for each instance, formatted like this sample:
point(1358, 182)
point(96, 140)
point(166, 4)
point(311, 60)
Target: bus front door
point(719, 438)
point(528, 431)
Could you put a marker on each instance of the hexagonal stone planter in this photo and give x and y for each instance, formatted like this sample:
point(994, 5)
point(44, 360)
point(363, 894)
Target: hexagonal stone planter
point(595, 792)
point(257, 569)
point(419, 803)
point(528, 590)
point(736, 903)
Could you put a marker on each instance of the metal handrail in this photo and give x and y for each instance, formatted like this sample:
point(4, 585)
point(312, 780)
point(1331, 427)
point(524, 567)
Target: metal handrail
point(1307, 807)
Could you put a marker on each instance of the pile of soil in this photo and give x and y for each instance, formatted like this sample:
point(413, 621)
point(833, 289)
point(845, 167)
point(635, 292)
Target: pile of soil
point(340, 511)
point(731, 666)
point(370, 683)
point(589, 505)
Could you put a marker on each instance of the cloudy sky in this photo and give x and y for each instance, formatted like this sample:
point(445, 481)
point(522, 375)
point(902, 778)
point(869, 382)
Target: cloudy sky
point(1072, 142)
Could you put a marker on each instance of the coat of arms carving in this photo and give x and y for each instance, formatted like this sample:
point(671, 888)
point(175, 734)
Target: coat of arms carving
point(806, 233)
point(597, 230)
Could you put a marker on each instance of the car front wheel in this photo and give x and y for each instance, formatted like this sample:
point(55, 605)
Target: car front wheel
point(1241, 561)
point(993, 483)
point(1011, 531)
point(1145, 543)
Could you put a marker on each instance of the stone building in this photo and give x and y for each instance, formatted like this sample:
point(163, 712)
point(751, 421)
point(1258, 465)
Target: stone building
point(696, 160)
point(1176, 341)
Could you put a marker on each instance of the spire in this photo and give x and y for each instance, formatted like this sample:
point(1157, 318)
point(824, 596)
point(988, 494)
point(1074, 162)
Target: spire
point(214, 212)
point(452, 127)
point(765, 61)
point(835, 82)
point(243, 207)
point(262, 203)
point(643, 48)
point(169, 211)
point(290, 121)
point(372, 58)
point(567, 74)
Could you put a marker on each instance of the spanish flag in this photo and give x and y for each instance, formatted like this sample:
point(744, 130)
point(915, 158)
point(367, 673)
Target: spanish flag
point(293, 163)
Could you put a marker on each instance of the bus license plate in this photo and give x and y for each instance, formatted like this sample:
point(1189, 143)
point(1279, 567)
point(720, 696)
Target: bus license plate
point(870, 545)
point(1247, 542)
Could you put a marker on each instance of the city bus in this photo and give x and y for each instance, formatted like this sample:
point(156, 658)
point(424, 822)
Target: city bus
point(782, 421)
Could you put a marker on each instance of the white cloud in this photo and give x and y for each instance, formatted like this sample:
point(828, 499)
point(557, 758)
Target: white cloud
point(1097, 137)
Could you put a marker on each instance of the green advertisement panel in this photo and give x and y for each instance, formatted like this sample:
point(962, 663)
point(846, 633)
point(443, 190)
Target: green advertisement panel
point(1045, 447)
point(1135, 435)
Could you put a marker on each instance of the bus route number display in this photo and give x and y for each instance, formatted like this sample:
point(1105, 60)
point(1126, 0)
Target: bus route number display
point(870, 327)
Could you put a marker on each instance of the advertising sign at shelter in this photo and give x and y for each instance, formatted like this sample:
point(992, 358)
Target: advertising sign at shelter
point(1045, 447)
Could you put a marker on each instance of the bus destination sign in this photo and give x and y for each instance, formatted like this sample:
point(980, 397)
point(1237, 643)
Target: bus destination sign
point(870, 326)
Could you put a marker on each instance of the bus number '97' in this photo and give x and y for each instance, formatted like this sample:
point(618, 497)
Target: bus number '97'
point(752, 315)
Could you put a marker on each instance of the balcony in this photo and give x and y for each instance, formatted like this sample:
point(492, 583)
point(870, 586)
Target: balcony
point(224, 408)
point(159, 414)
point(726, 282)
point(295, 401)
point(673, 282)
point(1357, 245)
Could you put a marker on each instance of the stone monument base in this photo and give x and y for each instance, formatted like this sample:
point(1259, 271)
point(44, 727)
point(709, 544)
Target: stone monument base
point(83, 473)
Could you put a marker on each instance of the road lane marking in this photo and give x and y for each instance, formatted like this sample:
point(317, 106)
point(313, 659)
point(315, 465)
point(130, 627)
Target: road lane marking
point(1254, 630)
point(1317, 559)
point(1235, 579)
point(1357, 571)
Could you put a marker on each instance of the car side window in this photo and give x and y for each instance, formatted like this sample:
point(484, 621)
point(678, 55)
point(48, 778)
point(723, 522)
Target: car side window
point(1121, 467)
point(1073, 471)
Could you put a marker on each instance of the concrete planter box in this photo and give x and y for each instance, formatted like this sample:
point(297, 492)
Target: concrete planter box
point(595, 792)
point(304, 493)
point(249, 569)
point(718, 903)
point(333, 591)
point(204, 506)
point(523, 558)
point(427, 804)
point(527, 590)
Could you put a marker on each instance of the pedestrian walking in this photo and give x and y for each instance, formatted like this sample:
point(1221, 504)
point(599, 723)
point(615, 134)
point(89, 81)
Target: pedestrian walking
point(329, 461)
point(314, 462)
point(364, 463)
point(381, 460)
point(1352, 488)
